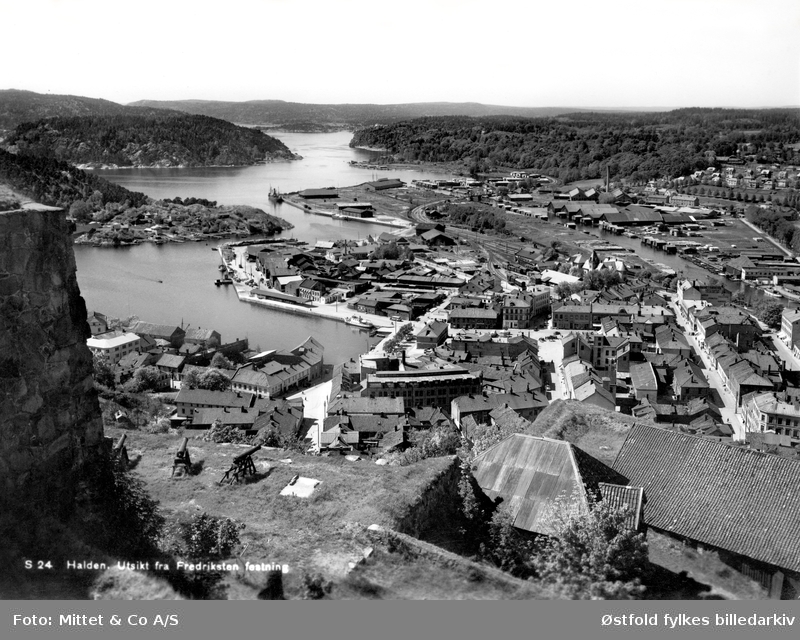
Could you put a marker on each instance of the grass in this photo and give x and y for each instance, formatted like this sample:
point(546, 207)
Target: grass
point(318, 534)
point(599, 432)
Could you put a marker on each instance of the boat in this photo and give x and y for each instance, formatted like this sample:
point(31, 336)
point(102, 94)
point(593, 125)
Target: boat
point(358, 321)
point(274, 196)
point(222, 267)
point(223, 281)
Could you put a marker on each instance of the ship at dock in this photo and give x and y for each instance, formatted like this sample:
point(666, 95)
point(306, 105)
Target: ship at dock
point(275, 196)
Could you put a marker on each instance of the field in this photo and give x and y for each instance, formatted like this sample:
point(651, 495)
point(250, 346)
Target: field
point(322, 534)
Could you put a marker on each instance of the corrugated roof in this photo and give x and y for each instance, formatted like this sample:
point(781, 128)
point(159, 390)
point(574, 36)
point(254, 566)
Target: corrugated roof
point(726, 496)
point(529, 473)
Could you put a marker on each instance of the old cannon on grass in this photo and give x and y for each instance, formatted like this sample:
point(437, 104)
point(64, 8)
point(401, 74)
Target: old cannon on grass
point(242, 466)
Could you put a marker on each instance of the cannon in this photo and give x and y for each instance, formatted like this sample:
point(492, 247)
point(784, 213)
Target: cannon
point(182, 458)
point(120, 452)
point(242, 465)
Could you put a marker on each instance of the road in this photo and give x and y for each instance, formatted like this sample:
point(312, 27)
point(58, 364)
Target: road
point(728, 410)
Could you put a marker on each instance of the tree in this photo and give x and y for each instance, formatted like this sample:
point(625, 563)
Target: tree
point(104, 372)
point(593, 554)
point(770, 313)
point(213, 380)
point(219, 361)
point(144, 379)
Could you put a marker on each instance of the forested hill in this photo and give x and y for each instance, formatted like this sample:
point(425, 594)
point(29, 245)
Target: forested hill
point(146, 141)
point(60, 184)
point(18, 106)
point(308, 117)
point(577, 146)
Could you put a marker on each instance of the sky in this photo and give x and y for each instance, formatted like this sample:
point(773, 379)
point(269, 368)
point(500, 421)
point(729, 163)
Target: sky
point(576, 53)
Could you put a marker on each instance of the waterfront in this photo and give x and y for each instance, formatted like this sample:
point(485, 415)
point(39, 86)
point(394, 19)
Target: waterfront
point(173, 283)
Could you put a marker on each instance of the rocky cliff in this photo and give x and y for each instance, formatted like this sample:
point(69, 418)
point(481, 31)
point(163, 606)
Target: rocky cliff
point(49, 415)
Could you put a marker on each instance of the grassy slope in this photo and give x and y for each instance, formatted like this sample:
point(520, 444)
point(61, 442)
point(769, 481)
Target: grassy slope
point(596, 431)
point(321, 534)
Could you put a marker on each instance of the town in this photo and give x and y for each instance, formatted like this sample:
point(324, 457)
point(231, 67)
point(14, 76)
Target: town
point(495, 311)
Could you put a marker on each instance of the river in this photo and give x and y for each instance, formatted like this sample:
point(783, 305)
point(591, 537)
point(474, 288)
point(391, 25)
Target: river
point(125, 281)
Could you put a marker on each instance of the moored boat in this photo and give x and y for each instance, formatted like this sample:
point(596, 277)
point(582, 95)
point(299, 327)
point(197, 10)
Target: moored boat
point(357, 321)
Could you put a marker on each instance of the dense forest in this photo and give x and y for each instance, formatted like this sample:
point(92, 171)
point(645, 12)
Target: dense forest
point(632, 146)
point(299, 116)
point(18, 106)
point(146, 140)
point(59, 184)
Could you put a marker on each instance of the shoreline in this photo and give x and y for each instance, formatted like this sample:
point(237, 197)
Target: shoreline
point(325, 312)
point(386, 220)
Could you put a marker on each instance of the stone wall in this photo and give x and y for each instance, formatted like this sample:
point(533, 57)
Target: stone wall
point(49, 414)
point(438, 502)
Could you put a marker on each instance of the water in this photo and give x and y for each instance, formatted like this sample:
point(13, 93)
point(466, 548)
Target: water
point(686, 269)
point(124, 282)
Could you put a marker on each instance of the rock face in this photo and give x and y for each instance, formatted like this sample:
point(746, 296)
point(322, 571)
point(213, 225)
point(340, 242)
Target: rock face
point(50, 419)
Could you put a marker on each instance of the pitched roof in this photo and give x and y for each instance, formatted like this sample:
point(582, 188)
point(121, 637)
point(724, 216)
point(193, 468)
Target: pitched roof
point(726, 496)
point(529, 473)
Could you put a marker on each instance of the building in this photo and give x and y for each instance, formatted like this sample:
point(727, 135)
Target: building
point(600, 351)
point(532, 475)
point(206, 338)
point(644, 382)
point(517, 311)
point(168, 333)
point(773, 412)
point(473, 318)
point(684, 200)
point(527, 405)
point(188, 400)
point(280, 371)
point(432, 335)
point(98, 323)
point(318, 194)
point(741, 503)
point(383, 184)
point(790, 327)
point(699, 290)
point(112, 346)
point(423, 387)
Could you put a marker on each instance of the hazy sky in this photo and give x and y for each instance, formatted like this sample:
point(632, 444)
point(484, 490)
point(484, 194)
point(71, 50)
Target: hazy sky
point(602, 53)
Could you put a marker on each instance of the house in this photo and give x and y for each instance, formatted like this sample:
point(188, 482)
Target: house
point(170, 367)
point(689, 382)
point(98, 323)
point(532, 475)
point(729, 499)
point(517, 311)
point(432, 335)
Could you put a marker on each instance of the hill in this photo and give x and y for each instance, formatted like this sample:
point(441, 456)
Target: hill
point(18, 106)
point(123, 215)
point(581, 146)
point(146, 141)
point(599, 432)
point(298, 116)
